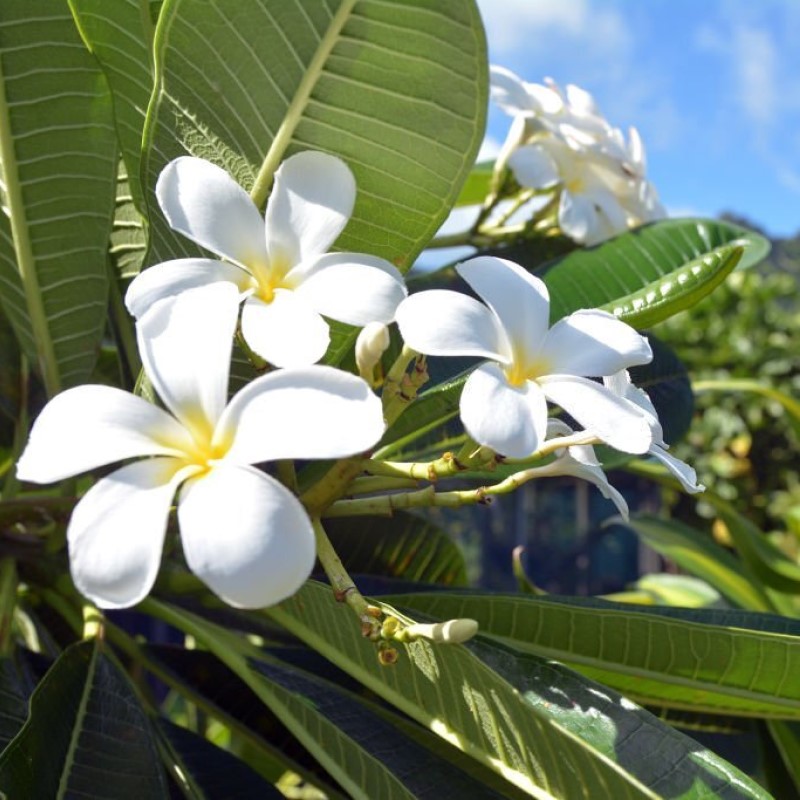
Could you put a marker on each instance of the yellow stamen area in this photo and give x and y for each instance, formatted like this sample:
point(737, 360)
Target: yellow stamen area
point(267, 277)
point(206, 446)
point(518, 372)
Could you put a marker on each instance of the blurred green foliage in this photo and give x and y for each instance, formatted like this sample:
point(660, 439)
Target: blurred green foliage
point(743, 445)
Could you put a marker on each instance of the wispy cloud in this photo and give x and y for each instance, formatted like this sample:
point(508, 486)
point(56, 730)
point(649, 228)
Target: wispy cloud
point(752, 56)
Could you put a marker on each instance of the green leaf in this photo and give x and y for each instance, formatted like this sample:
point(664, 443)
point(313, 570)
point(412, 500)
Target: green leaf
point(733, 662)
point(766, 561)
point(431, 409)
point(402, 546)
point(208, 683)
point(476, 187)
point(667, 383)
point(128, 236)
point(120, 36)
point(59, 163)
point(649, 274)
point(16, 686)
point(700, 555)
point(786, 737)
point(86, 735)
point(676, 590)
point(398, 90)
point(206, 772)
point(541, 726)
point(367, 755)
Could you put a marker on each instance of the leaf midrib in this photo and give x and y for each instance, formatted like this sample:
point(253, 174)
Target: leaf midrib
point(69, 759)
point(299, 102)
point(26, 263)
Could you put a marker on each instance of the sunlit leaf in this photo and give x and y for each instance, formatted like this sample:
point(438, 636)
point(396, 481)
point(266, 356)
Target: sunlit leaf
point(705, 659)
point(398, 90)
point(651, 273)
point(700, 555)
point(539, 725)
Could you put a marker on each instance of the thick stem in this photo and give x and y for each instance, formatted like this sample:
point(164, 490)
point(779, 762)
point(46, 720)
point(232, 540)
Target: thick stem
point(344, 589)
point(8, 602)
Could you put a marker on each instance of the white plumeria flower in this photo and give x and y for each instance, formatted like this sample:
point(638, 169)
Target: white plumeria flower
point(589, 211)
point(621, 384)
point(504, 401)
point(559, 141)
point(280, 264)
point(579, 461)
point(243, 533)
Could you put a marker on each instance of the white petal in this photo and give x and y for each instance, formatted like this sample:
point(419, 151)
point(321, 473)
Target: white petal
point(204, 203)
point(246, 536)
point(577, 217)
point(593, 342)
point(520, 301)
point(594, 474)
point(310, 204)
point(512, 420)
point(615, 421)
point(444, 323)
point(680, 469)
point(89, 426)
point(351, 287)
point(620, 383)
point(185, 343)
point(173, 277)
point(533, 167)
point(117, 530)
point(287, 332)
point(303, 412)
point(508, 91)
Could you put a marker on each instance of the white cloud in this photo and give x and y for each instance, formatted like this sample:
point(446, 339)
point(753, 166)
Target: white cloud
point(490, 148)
point(752, 55)
point(510, 24)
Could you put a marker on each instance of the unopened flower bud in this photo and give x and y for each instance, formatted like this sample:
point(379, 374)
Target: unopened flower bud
point(454, 631)
point(371, 344)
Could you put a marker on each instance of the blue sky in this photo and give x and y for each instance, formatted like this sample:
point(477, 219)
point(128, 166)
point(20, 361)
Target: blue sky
point(712, 85)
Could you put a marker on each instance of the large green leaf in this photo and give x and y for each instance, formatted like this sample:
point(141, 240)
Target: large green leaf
point(766, 561)
point(343, 731)
point(120, 35)
point(86, 736)
point(736, 662)
point(700, 555)
point(538, 724)
point(651, 273)
point(207, 772)
point(214, 689)
point(402, 546)
point(59, 163)
point(398, 90)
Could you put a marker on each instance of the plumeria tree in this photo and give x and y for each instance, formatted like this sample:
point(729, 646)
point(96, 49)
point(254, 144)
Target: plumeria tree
point(220, 431)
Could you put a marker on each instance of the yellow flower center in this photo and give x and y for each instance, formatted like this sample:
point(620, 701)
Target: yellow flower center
point(269, 276)
point(519, 372)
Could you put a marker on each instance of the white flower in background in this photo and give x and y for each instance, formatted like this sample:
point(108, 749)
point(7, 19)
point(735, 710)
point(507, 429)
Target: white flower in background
point(620, 383)
point(579, 461)
point(504, 401)
point(280, 264)
point(559, 141)
point(243, 533)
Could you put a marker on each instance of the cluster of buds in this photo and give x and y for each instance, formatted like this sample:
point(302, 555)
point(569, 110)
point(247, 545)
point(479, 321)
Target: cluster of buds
point(561, 146)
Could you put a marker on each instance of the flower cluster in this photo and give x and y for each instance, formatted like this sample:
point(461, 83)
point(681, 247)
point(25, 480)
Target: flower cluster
point(245, 534)
point(560, 144)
